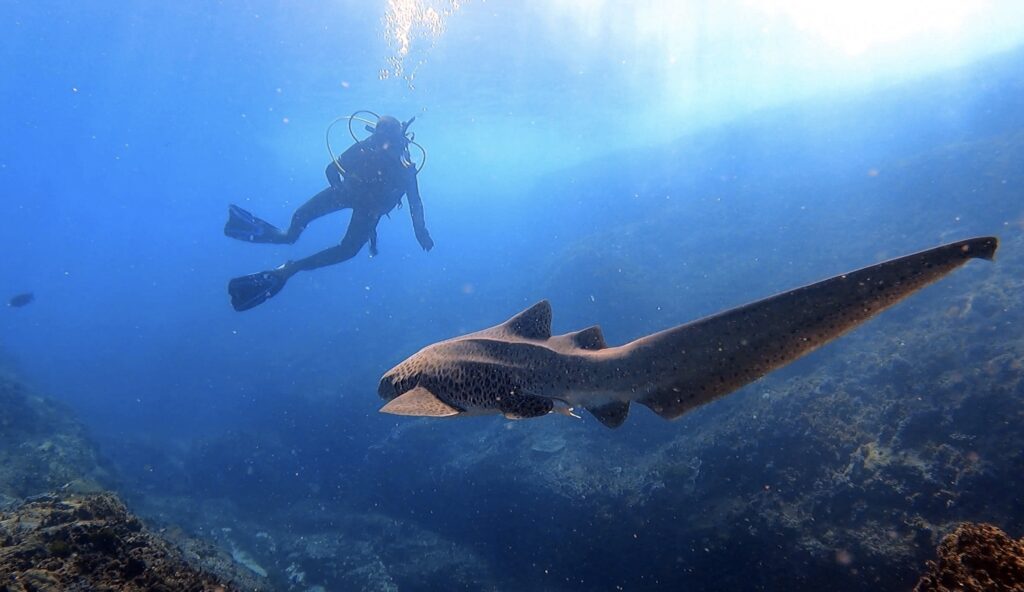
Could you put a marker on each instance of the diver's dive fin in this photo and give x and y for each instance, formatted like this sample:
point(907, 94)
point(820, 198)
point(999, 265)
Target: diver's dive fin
point(246, 227)
point(421, 402)
point(250, 291)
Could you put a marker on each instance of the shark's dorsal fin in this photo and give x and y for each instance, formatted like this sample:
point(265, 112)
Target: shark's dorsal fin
point(420, 402)
point(532, 323)
point(589, 338)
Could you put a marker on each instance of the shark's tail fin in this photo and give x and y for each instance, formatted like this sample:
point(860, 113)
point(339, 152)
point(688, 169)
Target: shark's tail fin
point(717, 355)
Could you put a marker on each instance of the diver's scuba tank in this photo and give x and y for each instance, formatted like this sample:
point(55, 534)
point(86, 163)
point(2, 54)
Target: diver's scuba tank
point(370, 126)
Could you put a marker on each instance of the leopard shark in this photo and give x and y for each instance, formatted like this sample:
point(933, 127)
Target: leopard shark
point(518, 369)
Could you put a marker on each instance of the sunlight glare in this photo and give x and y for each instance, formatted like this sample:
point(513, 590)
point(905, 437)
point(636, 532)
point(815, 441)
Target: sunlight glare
point(408, 23)
point(853, 27)
point(859, 26)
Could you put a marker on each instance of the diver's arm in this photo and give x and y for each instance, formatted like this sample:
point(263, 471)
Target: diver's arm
point(345, 161)
point(416, 211)
point(334, 175)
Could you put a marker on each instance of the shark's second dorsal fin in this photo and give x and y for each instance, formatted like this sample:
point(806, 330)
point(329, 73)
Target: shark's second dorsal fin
point(419, 402)
point(532, 323)
point(589, 338)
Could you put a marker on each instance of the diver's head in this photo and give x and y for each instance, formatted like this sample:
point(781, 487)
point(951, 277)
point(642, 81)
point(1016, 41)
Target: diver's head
point(389, 134)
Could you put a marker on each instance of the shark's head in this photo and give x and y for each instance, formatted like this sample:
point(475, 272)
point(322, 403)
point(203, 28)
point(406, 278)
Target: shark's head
point(462, 376)
point(432, 382)
point(401, 379)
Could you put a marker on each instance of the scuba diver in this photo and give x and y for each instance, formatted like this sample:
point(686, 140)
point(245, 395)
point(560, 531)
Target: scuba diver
point(370, 178)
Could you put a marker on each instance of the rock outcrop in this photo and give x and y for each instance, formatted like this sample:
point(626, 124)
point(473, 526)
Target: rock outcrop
point(42, 446)
point(92, 542)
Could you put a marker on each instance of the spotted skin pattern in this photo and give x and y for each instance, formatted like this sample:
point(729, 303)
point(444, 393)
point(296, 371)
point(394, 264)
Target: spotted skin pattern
point(519, 370)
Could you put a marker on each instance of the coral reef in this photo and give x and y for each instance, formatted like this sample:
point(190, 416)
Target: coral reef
point(93, 543)
point(976, 558)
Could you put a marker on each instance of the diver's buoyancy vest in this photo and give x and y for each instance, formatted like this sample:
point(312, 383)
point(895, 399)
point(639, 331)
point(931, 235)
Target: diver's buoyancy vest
point(378, 177)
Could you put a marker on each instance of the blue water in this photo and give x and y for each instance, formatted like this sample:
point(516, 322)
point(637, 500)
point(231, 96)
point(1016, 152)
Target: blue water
point(637, 180)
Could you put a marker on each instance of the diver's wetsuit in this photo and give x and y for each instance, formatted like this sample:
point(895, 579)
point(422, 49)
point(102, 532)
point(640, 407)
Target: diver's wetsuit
point(377, 173)
point(374, 184)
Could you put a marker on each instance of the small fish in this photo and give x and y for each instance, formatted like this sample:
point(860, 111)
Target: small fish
point(21, 300)
point(518, 369)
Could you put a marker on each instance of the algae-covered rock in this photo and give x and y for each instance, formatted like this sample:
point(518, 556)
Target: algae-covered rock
point(976, 558)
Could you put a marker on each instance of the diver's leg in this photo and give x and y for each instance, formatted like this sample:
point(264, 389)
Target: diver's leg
point(252, 290)
point(327, 201)
point(360, 229)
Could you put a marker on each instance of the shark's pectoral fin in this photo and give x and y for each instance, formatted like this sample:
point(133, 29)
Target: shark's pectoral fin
point(420, 402)
point(611, 414)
